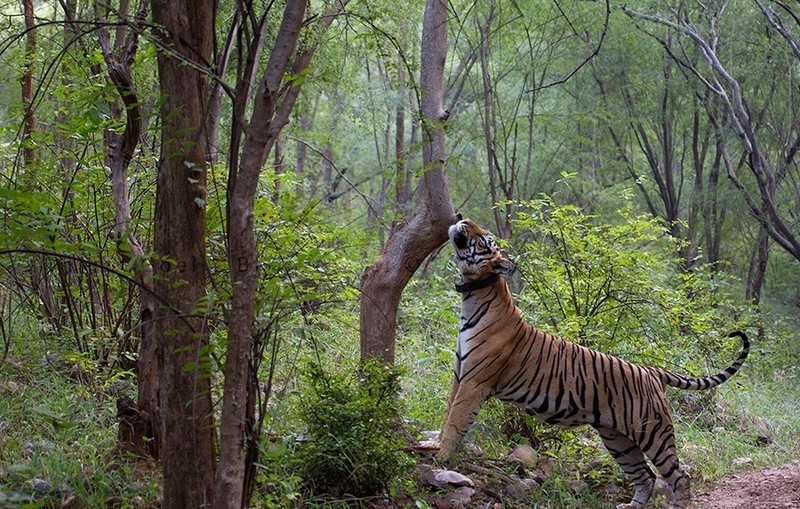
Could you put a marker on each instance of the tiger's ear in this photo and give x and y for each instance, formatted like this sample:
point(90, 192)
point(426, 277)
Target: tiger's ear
point(503, 266)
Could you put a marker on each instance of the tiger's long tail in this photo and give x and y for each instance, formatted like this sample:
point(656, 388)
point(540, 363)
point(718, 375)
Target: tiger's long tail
point(698, 384)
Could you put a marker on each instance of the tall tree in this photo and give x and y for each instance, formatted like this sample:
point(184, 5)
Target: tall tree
point(383, 282)
point(40, 280)
point(140, 427)
point(272, 104)
point(185, 31)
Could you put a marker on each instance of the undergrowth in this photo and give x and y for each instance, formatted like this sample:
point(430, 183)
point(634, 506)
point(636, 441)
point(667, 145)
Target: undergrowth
point(55, 435)
point(55, 432)
point(337, 433)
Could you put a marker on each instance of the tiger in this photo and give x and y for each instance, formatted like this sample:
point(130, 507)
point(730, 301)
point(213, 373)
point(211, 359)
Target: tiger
point(559, 382)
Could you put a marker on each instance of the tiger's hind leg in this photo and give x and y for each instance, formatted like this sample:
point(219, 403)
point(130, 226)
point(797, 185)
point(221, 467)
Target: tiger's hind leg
point(665, 458)
point(632, 461)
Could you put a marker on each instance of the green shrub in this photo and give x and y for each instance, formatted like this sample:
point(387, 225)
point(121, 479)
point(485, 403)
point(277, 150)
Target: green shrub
point(355, 437)
point(618, 287)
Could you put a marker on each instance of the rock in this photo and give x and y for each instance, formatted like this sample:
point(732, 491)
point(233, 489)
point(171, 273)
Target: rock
point(72, 502)
point(429, 440)
point(521, 489)
point(611, 490)
point(432, 436)
point(738, 462)
point(458, 499)
point(524, 454)
point(41, 486)
point(543, 470)
point(578, 486)
point(446, 478)
point(764, 439)
point(595, 464)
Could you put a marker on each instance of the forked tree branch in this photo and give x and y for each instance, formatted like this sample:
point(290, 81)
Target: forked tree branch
point(728, 88)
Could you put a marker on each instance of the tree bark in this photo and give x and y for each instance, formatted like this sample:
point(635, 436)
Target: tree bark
point(186, 30)
point(382, 283)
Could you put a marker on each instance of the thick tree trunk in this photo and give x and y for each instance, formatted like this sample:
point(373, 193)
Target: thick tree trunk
point(187, 30)
point(382, 283)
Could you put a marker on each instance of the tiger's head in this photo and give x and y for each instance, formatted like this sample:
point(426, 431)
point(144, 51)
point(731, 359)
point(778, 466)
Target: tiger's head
point(477, 254)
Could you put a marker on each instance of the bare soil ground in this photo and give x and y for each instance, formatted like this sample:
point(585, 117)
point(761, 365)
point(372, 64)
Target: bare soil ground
point(773, 488)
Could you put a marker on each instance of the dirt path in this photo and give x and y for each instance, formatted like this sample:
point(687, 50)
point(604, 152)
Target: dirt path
point(773, 488)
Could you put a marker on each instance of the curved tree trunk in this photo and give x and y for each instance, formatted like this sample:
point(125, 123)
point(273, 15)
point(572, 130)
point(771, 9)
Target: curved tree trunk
point(139, 429)
point(382, 283)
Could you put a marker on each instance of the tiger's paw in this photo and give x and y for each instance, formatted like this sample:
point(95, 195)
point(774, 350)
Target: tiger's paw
point(630, 505)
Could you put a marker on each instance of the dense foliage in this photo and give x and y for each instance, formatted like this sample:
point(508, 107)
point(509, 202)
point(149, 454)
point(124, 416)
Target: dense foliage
point(355, 440)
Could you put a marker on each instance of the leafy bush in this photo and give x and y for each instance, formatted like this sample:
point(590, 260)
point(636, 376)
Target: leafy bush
point(616, 287)
point(355, 439)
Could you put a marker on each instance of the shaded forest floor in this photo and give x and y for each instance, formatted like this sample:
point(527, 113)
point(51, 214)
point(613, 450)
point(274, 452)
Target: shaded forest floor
point(772, 488)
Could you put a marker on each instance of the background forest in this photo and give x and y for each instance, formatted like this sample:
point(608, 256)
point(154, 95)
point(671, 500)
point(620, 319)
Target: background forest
point(200, 201)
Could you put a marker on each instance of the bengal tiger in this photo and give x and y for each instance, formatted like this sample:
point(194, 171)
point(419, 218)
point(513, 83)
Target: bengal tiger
point(500, 355)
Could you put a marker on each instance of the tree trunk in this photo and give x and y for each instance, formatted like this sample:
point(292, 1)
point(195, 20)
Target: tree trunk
point(243, 261)
point(382, 283)
point(273, 103)
point(40, 281)
point(187, 30)
point(402, 196)
point(29, 124)
point(713, 215)
point(500, 189)
point(217, 92)
point(144, 417)
point(757, 272)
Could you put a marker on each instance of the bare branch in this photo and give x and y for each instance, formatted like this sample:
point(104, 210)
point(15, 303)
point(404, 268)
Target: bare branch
point(588, 58)
point(779, 27)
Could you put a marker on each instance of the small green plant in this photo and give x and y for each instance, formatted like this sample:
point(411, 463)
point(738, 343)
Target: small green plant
point(355, 436)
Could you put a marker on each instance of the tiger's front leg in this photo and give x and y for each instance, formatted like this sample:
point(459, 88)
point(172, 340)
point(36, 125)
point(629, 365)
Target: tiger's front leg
point(464, 402)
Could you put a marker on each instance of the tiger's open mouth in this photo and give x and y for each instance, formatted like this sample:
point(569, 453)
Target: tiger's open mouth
point(458, 234)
